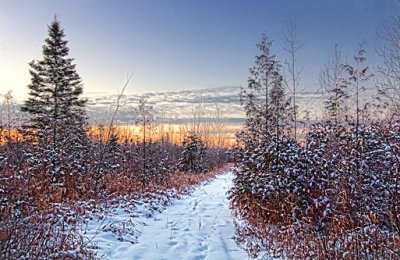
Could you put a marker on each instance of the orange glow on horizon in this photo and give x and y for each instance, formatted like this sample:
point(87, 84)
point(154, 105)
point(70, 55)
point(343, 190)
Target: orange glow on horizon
point(173, 133)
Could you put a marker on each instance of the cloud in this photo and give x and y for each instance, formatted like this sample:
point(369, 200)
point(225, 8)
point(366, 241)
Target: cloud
point(173, 106)
point(177, 107)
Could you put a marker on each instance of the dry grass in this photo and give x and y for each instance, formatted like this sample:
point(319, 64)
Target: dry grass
point(39, 220)
point(268, 226)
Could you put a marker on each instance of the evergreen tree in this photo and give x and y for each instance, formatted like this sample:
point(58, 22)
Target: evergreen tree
point(193, 157)
point(56, 110)
point(107, 158)
point(264, 100)
point(267, 117)
point(279, 106)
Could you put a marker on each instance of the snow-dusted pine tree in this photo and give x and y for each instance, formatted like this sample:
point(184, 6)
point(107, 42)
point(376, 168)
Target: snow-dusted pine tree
point(56, 111)
point(256, 98)
point(267, 117)
point(193, 157)
point(107, 159)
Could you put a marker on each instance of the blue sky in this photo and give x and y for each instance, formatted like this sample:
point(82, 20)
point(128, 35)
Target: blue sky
point(185, 44)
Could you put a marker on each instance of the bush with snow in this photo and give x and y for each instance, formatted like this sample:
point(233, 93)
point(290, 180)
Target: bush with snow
point(193, 157)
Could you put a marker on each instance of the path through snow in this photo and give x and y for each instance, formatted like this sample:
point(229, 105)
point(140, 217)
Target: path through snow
point(199, 226)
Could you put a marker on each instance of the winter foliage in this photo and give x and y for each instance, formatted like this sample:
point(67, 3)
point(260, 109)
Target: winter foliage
point(55, 168)
point(193, 157)
point(326, 189)
point(57, 117)
point(335, 194)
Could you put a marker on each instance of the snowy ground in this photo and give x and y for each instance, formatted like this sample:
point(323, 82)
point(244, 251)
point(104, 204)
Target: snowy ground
point(199, 226)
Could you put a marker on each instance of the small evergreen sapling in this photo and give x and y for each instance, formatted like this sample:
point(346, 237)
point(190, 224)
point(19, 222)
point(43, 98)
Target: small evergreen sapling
point(193, 157)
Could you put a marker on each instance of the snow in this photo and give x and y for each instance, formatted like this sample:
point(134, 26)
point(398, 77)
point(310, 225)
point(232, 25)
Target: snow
point(199, 226)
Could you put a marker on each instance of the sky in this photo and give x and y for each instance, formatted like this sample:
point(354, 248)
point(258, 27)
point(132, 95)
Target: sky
point(183, 44)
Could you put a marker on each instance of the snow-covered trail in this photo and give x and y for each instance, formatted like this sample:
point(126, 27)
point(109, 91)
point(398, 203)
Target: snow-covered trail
point(199, 226)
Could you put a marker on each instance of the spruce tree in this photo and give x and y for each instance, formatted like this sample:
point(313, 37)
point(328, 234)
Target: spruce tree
point(56, 110)
point(267, 109)
point(264, 100)
point(193, 156)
